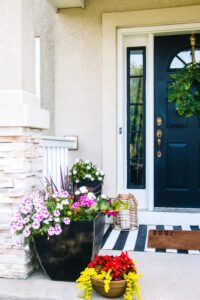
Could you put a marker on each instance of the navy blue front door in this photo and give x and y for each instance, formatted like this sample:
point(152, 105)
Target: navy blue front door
point(177, 138)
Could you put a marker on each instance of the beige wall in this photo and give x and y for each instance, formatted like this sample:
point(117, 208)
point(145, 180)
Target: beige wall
point(44, 28)
point(79, 70)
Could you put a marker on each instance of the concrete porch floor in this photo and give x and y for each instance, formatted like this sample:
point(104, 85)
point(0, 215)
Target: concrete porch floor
point(164, 277)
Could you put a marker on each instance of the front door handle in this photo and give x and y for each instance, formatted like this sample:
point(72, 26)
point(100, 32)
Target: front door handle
point(159, 140)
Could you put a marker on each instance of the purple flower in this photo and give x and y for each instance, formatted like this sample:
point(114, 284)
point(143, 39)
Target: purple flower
point(56, 213)
point(58, 229)
point(18, 243)
point(51, 231)
point(26, 232)
point(66, 221)
point(19, 225)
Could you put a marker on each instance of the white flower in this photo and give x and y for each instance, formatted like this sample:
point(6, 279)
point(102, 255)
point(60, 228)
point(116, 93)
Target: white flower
point(92, 178)
point(103, 196)
point(27, 248)
point(77, 193)
point(65, 202)
point(102, 173)
point(74, 172)
point(77, 181)
point(91, 195)
point(59, 206)
point(88, 167)
point(77, 160)
point(46, 222)
point(83, 189)
point(57, 220)
point(87, 161)
point(100, 178)
point(97, 173)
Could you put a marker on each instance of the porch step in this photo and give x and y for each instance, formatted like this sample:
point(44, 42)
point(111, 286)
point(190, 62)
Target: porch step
point(39, 287)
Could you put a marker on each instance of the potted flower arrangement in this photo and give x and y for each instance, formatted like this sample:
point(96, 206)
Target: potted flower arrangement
point(85, 173)
point(110, 276)
point(66, 228)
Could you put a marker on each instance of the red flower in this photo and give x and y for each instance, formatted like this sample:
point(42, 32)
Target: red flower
point(118, 265)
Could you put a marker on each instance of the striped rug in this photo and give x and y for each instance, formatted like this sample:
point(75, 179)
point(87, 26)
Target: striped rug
point(137, 240)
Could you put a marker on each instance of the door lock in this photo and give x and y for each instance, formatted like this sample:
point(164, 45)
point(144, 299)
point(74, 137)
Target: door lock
point(159, 121)
point(159, 140)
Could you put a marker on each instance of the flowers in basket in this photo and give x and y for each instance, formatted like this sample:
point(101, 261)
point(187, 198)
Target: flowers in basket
point(110, 269)
point(85, 171)
point(46, 212)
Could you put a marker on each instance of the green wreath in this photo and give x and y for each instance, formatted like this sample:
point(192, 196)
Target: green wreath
point(184, 90)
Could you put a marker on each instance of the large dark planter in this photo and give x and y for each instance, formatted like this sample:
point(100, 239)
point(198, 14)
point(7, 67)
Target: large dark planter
point(63, 257)
point(95, 186)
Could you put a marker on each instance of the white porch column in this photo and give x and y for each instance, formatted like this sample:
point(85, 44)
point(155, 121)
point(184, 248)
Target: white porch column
point(21, 123)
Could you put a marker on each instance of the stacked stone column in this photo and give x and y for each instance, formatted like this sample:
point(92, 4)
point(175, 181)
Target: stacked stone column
point(20, 172)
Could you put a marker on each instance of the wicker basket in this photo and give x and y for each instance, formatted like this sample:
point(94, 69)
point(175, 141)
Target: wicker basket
point(127, 219)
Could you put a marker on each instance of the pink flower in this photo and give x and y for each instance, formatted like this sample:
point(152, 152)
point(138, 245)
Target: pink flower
point(66, 221)
point(51, 231)
point(58, 229)
point(26, 232)
point(111, 213)
point(36, 225)
point(76, 204)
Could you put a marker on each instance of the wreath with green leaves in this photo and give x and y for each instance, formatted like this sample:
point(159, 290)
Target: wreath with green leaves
point(184, 90)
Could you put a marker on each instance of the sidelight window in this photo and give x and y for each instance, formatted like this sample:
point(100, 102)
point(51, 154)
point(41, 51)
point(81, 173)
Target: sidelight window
point(136, 117)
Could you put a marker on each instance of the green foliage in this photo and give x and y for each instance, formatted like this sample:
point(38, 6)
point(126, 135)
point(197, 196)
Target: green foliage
point(85, 171)
point(111, 206)
point(184, 90)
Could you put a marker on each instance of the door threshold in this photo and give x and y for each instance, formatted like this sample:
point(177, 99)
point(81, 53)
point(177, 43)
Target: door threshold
point(177, 209)
point(169, 216)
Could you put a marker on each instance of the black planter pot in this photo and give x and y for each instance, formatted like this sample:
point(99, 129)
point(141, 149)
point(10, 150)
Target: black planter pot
point(93, 186)
point(63, 257)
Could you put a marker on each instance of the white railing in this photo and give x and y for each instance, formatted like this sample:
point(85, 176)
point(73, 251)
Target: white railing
point(55, 153)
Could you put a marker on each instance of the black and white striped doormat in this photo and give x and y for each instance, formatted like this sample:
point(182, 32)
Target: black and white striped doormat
point(137, 240)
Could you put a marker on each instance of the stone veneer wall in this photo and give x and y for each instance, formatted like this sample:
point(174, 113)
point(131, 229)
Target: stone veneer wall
point(21, 165)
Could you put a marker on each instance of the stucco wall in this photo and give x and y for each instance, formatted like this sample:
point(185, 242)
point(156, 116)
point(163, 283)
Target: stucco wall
point(44, 28)
point(79, 70)
point(16, 46)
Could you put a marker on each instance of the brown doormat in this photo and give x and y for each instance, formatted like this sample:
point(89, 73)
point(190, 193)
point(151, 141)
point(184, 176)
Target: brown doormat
point(174, 239)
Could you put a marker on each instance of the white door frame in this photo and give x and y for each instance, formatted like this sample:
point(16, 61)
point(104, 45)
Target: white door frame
point(135, 37)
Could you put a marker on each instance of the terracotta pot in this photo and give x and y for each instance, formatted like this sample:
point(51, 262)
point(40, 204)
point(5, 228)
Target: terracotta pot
point(117, 288)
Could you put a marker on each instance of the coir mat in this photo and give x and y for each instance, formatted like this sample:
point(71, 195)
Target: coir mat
point(174, 239)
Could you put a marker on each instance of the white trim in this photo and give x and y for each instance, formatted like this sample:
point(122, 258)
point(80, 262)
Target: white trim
point(132, 35)
point(162, 30)
point(70, 142)
point(23, 109)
